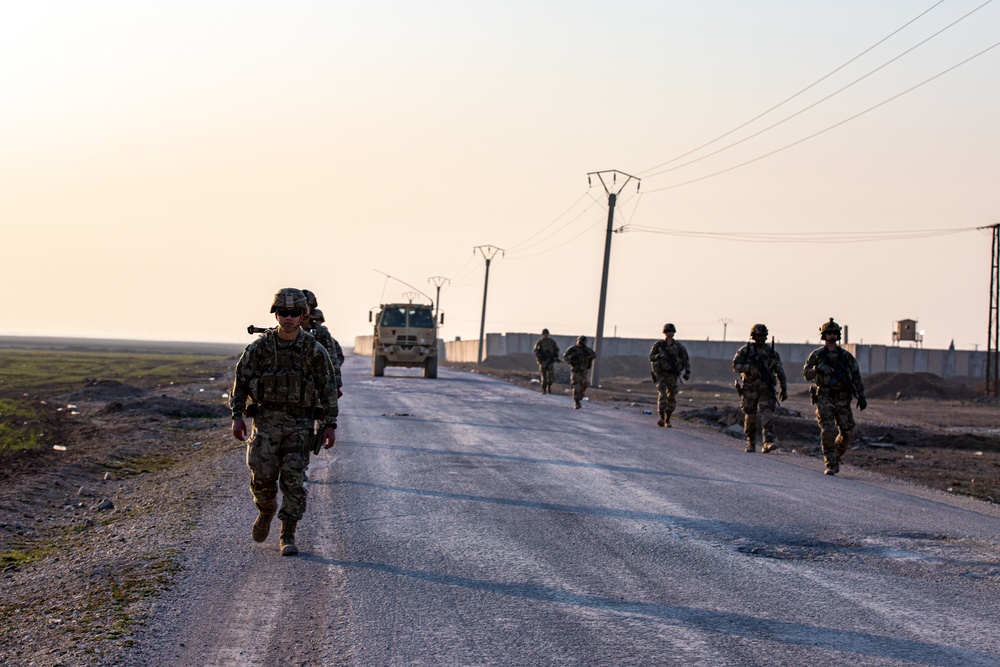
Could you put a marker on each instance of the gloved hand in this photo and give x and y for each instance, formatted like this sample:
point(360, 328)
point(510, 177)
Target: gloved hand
point(239, 429)
point(783, 395)
point(687, 374)
point(862, 403)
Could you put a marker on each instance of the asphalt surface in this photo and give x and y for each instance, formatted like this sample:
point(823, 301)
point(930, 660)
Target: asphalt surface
point(466, 521)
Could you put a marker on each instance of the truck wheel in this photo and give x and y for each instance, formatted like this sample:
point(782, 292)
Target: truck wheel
point(431, 368)
point(378, 365)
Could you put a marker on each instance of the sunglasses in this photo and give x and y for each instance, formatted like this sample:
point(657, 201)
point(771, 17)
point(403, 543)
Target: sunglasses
point(294, 312)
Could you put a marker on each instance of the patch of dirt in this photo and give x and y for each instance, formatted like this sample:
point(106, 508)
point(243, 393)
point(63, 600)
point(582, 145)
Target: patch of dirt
point(918, 426)
point(90, 533)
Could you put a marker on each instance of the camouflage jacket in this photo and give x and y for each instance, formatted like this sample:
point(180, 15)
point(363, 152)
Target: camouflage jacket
point(304, 366)
point(579, 357)
point(669, 359)
point(760, 366)
point(834, 372)
point(546, 351)
point(322, 334)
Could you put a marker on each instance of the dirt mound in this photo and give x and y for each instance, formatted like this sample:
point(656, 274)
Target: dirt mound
point(714, 415)
point(100, 391)
point(905, 386)
point(168, 407)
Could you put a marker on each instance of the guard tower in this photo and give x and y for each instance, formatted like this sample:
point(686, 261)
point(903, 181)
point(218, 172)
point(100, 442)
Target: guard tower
point(906, 330)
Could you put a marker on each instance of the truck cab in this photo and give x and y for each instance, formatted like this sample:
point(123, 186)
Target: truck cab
point(406, 336)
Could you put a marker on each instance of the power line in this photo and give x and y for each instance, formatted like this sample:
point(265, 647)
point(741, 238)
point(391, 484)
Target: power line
point(557, 231)
point(827, 129)
point(566, 242)
point(789, 99)
point(804, 237)
point(554, 221)
point(821, 100)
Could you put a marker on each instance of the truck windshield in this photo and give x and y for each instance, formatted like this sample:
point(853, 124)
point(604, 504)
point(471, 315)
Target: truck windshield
point(394, 317)
point(421, 318)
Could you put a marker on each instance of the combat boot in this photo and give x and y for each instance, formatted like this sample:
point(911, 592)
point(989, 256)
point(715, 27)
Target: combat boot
point(662, 421)
point(666, 421)
point(751, 446)
point(577, 404)
point(287, 538)
point(832, 470)
point(261, 526)
point(768, 447)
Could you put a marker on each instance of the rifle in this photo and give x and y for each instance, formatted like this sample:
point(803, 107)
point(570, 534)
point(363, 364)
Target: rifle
point(256, 330)
point(768, 375)
point(839, 372)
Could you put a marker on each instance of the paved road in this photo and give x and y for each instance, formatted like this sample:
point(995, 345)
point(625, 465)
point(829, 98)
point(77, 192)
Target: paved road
point(465, 521)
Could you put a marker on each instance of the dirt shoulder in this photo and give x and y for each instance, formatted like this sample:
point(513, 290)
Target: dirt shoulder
point(918, 427)
point(93, 527)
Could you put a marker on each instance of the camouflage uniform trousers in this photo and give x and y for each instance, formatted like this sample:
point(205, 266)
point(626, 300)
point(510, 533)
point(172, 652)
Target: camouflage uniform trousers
point(547, 371)
point(756, 398)
point(278, 455)
point(579, 381)
point(666, 394)
point(836, 426)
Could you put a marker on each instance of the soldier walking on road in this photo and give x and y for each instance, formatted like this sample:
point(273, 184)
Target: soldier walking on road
point(288, 378)
point(580, 358)
point(759, 366)
point(546, 354)
point(314, 325)
point(834, 372)
point(668, 360)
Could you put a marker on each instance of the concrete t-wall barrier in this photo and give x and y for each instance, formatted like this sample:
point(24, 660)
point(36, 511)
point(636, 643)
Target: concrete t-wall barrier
point(871, 358)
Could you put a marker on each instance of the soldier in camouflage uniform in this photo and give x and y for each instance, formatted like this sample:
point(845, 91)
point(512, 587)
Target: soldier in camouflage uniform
point(314, 325)
point(580, 358)
point(759, 366)
point(319, 331)
point(834, 372)
point(546, 354)
point(668, 360)
point(288, 378)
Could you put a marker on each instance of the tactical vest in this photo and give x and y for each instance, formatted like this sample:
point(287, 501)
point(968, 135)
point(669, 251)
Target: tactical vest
point(283, 383)
point(667, 360)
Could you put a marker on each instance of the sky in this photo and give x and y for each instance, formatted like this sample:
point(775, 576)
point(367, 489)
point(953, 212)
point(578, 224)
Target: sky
point(166, 167)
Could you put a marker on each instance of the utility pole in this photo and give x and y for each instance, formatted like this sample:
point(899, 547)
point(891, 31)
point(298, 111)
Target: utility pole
point(437, 281)
point(489, 252)
point(612, 193)
point(993, 329)
point(725, 322)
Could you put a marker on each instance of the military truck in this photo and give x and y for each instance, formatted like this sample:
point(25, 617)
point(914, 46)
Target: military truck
point(405, 335)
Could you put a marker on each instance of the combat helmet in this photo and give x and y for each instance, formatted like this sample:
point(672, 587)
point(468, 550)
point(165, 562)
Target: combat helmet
point(545, 332)
point(581, 339)
point(827, 327)
point(311, 300)
point(758, 331)
point(289, 297)
point(669, 328)
point(317, 315)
